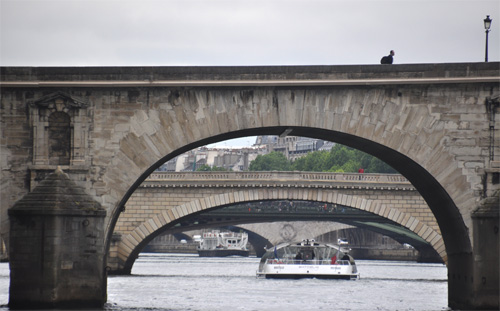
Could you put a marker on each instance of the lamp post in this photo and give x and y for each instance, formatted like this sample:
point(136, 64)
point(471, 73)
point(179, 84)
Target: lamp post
point(487, 25)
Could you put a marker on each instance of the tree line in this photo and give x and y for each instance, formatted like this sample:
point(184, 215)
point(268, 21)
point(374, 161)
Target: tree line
point(340, 159)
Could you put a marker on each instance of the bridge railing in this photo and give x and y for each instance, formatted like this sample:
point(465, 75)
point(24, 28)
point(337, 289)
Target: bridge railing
point(289, 261)
point(276, 175)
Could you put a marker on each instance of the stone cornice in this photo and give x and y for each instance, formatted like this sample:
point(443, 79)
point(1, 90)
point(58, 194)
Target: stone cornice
point(277, 180)
point(250, 83)
point(245, 76)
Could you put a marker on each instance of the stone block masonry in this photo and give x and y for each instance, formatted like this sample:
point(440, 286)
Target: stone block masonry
point(56, 248)
point(433, 123)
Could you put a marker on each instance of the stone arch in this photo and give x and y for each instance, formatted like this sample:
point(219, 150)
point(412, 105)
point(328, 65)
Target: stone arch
point(412, 127)
point(412, 146)
point(130, 245)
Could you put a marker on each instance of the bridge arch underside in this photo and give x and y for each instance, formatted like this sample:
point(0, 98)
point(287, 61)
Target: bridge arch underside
point(313, 211)
point(258, 242)
point(207, 212)
point(455, 234)
point(413, 128)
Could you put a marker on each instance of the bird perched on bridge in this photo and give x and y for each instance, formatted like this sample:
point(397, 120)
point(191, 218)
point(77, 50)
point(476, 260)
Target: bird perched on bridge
point(388, 59)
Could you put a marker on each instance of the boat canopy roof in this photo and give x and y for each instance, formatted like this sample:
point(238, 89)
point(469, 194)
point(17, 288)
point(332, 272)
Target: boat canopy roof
point(304, 249)
point(304, 243)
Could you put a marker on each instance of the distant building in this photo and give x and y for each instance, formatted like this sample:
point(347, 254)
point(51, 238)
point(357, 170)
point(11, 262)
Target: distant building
point(234, 159)
point(239, 159)
point(293, 147)
point(327, 146)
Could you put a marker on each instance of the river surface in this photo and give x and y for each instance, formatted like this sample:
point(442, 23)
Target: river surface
point(180, 282)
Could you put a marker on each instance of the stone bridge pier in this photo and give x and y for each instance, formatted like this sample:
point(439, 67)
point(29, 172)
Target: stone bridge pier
point(109, 128)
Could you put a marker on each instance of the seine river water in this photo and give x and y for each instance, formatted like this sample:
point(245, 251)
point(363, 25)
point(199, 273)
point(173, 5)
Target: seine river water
point(179, 282)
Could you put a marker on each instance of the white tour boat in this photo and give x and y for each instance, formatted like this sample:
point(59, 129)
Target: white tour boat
point(222, 244)
point(308, 259)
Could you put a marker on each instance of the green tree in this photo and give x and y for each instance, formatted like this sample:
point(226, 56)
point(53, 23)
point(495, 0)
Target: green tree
point(339, 155)
point(207, 168)
point(378, 166)
point(274, 161)
point(341, 159)
point(204, 168)
point(312, 162)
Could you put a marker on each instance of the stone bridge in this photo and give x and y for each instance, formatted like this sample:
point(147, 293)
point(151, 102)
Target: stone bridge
point(165, 200)
point(109, 128)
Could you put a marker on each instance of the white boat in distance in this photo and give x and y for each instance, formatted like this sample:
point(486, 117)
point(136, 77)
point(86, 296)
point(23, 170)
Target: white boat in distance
point(223, 244)
point(308, 259)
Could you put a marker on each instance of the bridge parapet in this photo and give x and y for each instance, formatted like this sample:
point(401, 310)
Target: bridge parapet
point(275, 178)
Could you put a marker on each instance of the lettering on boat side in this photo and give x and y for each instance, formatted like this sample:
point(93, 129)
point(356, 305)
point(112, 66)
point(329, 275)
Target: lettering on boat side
point(309, 267)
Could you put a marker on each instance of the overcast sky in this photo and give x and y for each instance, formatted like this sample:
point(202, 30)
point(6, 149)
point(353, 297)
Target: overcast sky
point(244, 32)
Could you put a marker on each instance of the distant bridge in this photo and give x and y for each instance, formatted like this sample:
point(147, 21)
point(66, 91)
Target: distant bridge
point(386, 203)
point(316, 214)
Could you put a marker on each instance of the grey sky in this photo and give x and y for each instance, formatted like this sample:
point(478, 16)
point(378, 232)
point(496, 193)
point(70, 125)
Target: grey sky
point(244, 32)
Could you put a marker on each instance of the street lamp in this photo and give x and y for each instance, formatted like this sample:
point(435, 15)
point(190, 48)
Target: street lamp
point(487, 25)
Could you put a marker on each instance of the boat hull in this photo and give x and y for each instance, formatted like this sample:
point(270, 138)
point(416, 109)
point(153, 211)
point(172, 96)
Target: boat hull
point(222, 252)
point(311, 276)
point(273, 270)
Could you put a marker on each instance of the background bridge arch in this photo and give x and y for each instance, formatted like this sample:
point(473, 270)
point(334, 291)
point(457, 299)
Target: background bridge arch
point(131, 244)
